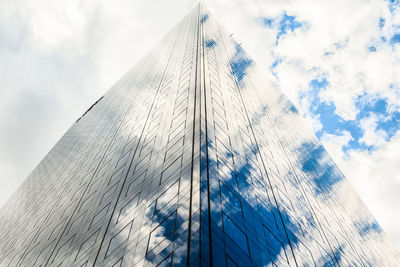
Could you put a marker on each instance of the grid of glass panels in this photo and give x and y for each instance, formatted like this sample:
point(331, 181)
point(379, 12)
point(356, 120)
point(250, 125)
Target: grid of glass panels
point(192, 158)
point(275, 197)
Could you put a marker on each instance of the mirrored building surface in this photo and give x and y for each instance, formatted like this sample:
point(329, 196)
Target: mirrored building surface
point(192, 158)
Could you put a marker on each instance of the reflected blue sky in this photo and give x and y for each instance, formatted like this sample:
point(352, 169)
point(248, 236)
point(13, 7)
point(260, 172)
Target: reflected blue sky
point(317, 171)
point(289, 107)
point(366, 228)
point(210, 43)
point(239, 63)
point(315, 162)
point(330, 261)
point(269, 191)
point(204, 18)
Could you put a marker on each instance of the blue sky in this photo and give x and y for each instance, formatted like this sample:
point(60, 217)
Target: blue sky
point(367, 105)
point(337, 60)
point(285, 24)
point(340, 65)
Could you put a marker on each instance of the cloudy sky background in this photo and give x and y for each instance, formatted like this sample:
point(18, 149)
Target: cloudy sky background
point(337, 60)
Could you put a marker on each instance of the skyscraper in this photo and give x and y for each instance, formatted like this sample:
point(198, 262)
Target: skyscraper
point(192, 158)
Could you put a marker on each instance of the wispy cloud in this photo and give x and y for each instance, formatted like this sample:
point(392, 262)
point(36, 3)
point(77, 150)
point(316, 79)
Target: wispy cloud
point(338, 61)
point(283, 24)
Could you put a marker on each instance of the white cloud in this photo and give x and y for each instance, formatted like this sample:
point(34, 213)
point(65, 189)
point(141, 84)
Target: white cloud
point(376, 178)
point(58, 57)
point(314, 122)
point(351, 69)
point(346, 30)
point(372, 136)
point(334, 143)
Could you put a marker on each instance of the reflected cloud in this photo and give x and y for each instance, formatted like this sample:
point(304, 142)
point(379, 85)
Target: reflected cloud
point(251, 186)
point(316, 163)
point(239, 63)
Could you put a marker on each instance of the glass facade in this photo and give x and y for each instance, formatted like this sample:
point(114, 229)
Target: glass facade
point(192, 158)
